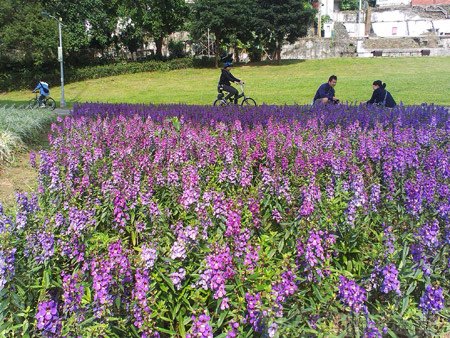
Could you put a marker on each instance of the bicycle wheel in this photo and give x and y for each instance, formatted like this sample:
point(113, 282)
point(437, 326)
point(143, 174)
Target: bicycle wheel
point(50, 103)
point(248, 102)
point(220, 103)
point(33, 103)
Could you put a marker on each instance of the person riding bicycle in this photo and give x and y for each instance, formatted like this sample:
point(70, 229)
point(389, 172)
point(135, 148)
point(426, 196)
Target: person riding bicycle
point(225, 82)
point(44, 92)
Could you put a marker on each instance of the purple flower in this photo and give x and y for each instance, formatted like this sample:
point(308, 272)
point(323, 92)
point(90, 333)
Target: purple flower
point(351, 294)
point(233, 331)
point(73, 292)
point(5, 221)
point(282, 290)
point(40, 246)
point(427, 243)
point(48, 321)
point(388, 239)
point(273, 328)
point(432, 300)
point(178, 277)
point(141, 309)
point(149, 255)
point(254, 313)
point(101, 284)
point(371, 330)
point(200, 327)
point(390, 279)
point(314, 253)
point(7, 269)
point(276, 216)
point(220, 270)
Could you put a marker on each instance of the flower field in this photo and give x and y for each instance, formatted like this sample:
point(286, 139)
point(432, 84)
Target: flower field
point(273, 221)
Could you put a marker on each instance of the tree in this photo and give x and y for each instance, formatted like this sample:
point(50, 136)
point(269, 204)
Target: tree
point(226, 20)
point(26, 38)
point(159, 18)
point(278, 21)
point(87, 23)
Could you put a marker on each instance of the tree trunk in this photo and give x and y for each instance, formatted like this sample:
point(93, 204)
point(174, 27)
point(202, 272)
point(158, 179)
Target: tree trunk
point(216, 49)
point(159, 43)
point(278, 51)
point(236, 52)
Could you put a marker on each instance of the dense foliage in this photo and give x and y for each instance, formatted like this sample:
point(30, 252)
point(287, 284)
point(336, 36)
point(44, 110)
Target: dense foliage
point(271, 221)
point(104, 31)
point(29, 78)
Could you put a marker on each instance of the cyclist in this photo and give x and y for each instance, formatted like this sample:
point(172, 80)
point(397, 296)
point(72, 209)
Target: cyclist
point(225, 82)
point(44, 92)
point(325, 93)
point(380, 96)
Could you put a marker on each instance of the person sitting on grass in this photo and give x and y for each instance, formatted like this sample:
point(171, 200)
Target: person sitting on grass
point(325, 93)
point(44, 92)
point(225, 82)
point(380, 96)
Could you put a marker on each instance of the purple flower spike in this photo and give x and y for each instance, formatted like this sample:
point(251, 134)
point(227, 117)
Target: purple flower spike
point(432, 300)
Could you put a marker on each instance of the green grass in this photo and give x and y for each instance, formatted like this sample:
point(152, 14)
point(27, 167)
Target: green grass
point(412, 80)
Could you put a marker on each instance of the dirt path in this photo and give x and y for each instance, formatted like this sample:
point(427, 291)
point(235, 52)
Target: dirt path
point(18, 176)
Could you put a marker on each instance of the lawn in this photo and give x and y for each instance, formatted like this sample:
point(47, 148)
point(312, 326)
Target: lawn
point(412, 80)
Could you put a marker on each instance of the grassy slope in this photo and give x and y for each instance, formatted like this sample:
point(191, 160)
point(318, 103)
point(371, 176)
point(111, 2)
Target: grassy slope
point(413, 80)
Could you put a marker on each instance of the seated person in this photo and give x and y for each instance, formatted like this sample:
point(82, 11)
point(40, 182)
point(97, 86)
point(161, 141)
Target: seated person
point(325, 93)
point(225, 82)
point(381, 96)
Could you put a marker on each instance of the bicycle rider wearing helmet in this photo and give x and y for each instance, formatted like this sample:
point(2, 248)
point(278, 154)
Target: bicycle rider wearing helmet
point(225, 82)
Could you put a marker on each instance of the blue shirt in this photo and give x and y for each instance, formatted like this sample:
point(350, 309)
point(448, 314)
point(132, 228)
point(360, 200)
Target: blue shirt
point(43, 88)
point(325, 90)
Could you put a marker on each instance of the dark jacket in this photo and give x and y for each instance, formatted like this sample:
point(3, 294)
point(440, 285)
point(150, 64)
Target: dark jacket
point(226, 78)
point(380, 96)
point(325, 90)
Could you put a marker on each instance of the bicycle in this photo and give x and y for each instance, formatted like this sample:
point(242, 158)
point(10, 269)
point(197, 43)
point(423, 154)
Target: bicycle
point(222, 102)
point(48, 103)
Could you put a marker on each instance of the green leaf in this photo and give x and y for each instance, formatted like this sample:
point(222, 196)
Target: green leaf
point(172, 333)
point(221, 318)
point(411, 288)
point(281, 245)
point(405, 303)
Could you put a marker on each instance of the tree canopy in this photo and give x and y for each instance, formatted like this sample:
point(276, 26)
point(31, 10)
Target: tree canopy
point(93, 28)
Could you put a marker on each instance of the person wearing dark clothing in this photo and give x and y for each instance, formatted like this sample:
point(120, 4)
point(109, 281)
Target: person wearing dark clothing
point(225, 82)
point(381, 96)
point(325, 93)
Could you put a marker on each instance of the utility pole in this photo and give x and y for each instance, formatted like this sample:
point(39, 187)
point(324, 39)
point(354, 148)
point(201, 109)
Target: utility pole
point(62, 102)
point(319, 20)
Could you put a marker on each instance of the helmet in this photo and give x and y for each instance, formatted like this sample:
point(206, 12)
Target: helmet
point(227, 64)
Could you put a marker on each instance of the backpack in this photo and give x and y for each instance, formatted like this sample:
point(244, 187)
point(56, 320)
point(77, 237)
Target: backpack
point(44, 87)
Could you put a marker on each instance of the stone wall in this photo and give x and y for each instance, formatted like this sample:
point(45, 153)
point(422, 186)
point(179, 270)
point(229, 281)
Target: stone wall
point(319, 48)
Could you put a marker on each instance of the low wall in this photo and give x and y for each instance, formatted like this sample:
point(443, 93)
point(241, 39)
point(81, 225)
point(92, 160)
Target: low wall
point(319, 48)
